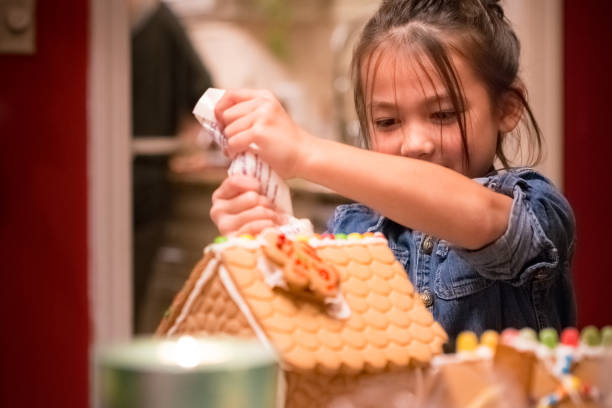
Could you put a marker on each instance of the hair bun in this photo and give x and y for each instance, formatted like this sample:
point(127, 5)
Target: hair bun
point(495, 7)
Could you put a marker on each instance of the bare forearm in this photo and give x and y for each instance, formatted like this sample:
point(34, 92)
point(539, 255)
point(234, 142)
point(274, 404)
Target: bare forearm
point(414, 193)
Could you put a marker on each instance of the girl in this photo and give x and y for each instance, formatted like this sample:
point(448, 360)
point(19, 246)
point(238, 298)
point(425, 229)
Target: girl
point(437, 93)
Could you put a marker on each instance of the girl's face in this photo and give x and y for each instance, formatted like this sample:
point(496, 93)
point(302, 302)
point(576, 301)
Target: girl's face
point(410, 114)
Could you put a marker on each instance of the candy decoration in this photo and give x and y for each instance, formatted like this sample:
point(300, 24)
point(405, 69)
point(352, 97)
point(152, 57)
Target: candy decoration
point(328, 236)
point(549, 337)
point(528, 334)
point(489, 339)
point(354, 236)
point(590, 336)
point(571, 387)
point(247, 236)
point(466, 341)
point(341, 236)
point(564, 364)
point(572, 383)
point(220, 240)
point(549, 401)
point(368, 235)
point(301, 238)
point(570, 337)
point(606, 336)
point(508, 335)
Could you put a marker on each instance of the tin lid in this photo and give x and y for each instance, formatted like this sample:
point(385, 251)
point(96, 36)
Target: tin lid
point(187, 353)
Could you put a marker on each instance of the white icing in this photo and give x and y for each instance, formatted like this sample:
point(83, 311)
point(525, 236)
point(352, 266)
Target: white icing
point(593, 351)
point(273, 275)
point(544, 352)
point(233, 242)
point(206, 274)
point(317, 242)
point(313, 242)
point(337, 307)
point(244, 308)
point(481, 353)
point(295, 226)
point(524, 344)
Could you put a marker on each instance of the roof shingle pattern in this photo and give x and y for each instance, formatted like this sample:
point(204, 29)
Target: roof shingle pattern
point(389, 326)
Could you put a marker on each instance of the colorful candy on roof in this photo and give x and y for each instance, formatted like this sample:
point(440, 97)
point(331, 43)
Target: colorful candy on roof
point(559, 353)
point(354, 236)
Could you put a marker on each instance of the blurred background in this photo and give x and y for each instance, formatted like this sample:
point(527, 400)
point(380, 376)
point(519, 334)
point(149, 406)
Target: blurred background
point(95, 101)
point(300, 50)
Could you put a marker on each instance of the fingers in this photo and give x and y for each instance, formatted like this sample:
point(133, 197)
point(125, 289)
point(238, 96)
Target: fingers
point(241, 142)
point(255, 227)
point(251, 219)
point(234, 186)
point(237, 112)
point(240, 124)
point(238, 206)
point(232, 97)
point(240, 203)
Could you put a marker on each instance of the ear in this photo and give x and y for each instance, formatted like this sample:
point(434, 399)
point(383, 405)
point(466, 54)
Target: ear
point(511, 109)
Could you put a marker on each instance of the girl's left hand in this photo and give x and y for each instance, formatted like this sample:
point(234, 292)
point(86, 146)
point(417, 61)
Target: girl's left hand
point(257, 117)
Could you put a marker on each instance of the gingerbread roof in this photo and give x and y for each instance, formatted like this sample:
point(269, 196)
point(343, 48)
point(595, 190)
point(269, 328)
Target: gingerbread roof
point(388, 326)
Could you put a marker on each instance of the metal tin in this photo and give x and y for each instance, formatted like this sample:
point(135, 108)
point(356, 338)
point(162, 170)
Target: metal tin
point(187, 373)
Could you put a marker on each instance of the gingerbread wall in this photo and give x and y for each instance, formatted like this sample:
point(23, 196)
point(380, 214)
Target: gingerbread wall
point(43, 214)
point(588, 151)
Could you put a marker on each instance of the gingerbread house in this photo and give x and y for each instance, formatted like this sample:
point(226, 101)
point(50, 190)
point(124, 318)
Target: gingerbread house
point(339, 311)
point(522, 371)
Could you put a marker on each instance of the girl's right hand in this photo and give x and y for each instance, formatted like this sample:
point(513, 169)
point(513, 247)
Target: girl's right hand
point(239, 208)
point(256, 120)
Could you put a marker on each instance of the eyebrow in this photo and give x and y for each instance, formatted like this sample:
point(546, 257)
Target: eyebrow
point(437, 99)
point(427, 101)
point(383, 105)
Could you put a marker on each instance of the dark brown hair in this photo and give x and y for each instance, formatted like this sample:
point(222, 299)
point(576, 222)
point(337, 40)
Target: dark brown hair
point(475, 29)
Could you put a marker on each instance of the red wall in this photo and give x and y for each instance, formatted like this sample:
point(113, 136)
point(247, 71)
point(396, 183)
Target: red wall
point(588, 151)
point(43, 214)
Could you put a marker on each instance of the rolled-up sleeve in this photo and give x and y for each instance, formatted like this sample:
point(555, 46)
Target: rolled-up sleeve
point(539, 235)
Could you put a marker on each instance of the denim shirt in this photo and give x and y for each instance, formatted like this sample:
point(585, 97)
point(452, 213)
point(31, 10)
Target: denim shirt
point(520, 280)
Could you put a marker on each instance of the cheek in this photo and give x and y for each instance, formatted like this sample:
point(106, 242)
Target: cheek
point(452, 145)
point(387, 143)
point(482, 145)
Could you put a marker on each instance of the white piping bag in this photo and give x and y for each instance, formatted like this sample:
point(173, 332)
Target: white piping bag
point(250, 164)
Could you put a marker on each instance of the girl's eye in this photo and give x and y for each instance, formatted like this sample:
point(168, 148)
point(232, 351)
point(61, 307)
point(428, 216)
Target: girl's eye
point(444, 117)
point(385, 123)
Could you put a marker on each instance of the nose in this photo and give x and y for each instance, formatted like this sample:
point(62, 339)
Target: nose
point(417, 144)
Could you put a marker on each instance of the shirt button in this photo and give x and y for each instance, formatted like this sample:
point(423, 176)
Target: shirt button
point(427, 298)
point(427, 245)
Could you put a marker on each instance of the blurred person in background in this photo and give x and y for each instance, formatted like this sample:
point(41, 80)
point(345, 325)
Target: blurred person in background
point(168, 77)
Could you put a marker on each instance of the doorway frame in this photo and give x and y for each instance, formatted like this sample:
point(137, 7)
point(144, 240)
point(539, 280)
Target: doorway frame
point(109, 167)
